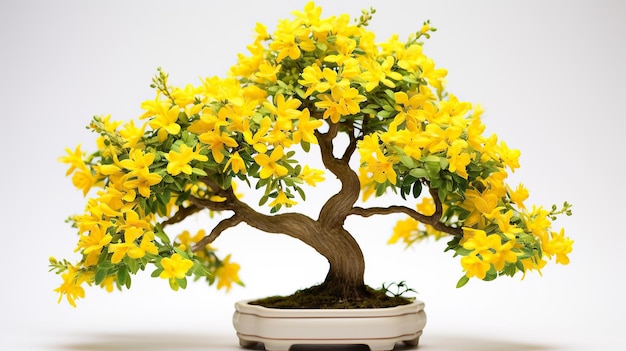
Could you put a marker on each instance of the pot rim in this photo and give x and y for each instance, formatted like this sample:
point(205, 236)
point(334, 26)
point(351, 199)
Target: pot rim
point(245, 307)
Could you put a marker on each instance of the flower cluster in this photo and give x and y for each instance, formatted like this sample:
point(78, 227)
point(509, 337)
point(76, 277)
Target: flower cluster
point(312, 74)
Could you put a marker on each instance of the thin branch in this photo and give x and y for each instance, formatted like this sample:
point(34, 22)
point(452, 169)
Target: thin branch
point(215, 233)
point(430, 220)
point(211, 205)
point(181, 214)
point(350, 148)
point(354, 139)
point(438, 206)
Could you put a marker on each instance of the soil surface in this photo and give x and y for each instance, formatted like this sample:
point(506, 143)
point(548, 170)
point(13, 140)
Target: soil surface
point(317, 298)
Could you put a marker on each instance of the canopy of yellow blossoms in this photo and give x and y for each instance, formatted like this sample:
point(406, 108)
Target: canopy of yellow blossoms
point(309, 73)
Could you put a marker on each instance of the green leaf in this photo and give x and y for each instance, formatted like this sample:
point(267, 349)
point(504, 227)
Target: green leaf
point(407, 161)
point(389, 108)
point(417, 189)
point(263, 200)
point(301, 192)
point(100, 275)
point(133, 264)
point(384, 114)
point(410, 79)
point(464, 279)
point(306, 146)
point(198, 171)
point(391, 94)
point(173, 284)
point(123, 277)
point(369, 111)
point(419, 173)
point(491, 274)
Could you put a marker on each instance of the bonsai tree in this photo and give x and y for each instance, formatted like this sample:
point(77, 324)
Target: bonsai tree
point(376, 115)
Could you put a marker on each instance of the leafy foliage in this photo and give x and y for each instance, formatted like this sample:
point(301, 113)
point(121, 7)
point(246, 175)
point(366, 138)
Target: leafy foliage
point(310, 80)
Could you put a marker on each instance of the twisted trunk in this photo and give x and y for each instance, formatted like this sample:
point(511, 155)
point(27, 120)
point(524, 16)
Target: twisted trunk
point(327, 235)
point(347, 265)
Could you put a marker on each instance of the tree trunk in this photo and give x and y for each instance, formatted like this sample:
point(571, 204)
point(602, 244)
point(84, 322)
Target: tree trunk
point(345, 278)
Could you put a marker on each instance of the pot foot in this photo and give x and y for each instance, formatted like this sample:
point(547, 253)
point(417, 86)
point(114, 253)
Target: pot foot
point(414, 342)
point(247, 344)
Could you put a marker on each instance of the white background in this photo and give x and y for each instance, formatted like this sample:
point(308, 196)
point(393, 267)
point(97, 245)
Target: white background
point(549, 74)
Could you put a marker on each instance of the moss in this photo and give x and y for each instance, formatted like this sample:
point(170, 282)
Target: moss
point(319, 298)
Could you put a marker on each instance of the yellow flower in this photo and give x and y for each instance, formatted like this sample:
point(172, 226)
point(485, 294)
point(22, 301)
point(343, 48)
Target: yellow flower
point(340, 102)
point(268, 71)
point(427, 206)
point(107, 283)
point(84, 180)
point(559, 245)
point(519, 195)
point(381, 168)
point(71, 286)
point(175, 267)
point(368, 187)
point(533, 263)
point(502, 255)
point(305, 128)
point(436, 77)
point(410, 109)
point(311, 17)
point(282, 199)
point(166, 115)
point(93, 243)
point(227, 274)
point(311, 176)
point(286, 39)
point(320, 81)
point(311, 78)
point(128, 247)
point(179, 161)
point(138, 160)
point(185, 96)
point(132, 134)
point(186, 240)
point(269, 165)
point(474, 266)
point(236, 163)
point(259, 140)
point(458, 158)
point(404, 230)
point(504, 223)
point(132, 219)
point(283, 109)
point(509, 157)
point(74, 159)
point(345, 51)
point(478, 241)
point(142, 181)
point(216, 140)
point(376, 73)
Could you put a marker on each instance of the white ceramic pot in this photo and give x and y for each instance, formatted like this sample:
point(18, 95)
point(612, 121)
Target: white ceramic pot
point(279, 329)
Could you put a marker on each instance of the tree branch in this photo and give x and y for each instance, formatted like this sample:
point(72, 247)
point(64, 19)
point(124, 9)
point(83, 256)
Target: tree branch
point(438, 206)
point(212, 205)
point(182, 213)
point(295, 225)
point(430, 220)
point(350, 148)
point(215, 233)
point(335, 210)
